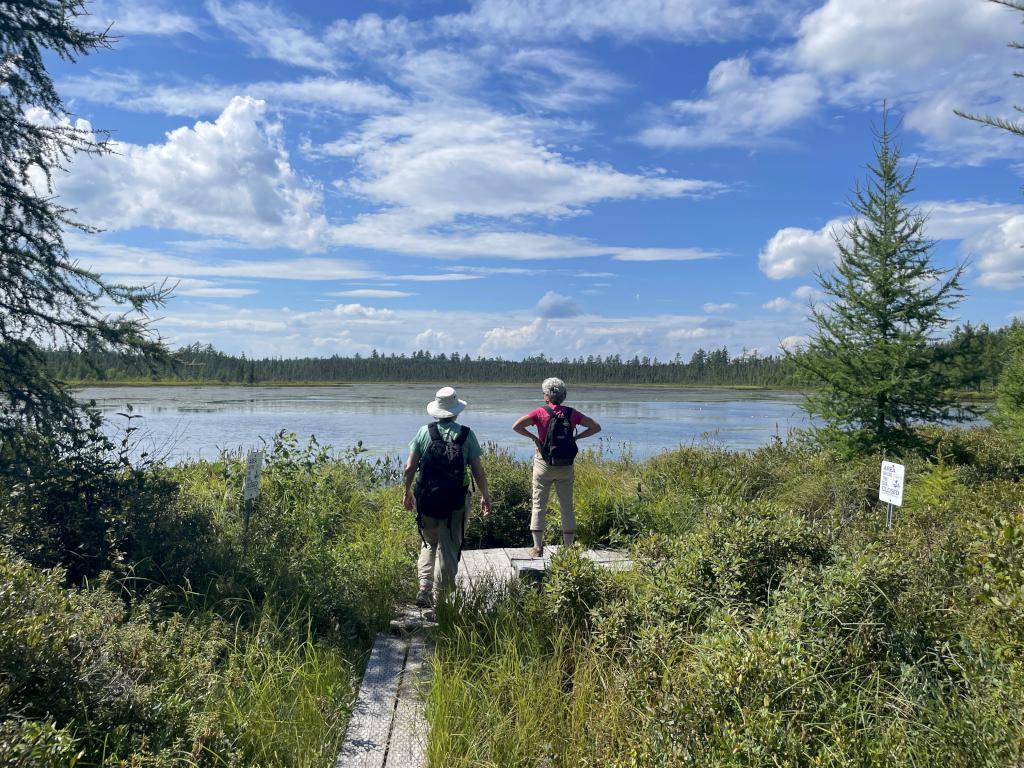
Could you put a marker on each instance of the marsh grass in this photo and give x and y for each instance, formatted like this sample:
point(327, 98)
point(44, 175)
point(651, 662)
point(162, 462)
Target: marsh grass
point(209, 643)
point(282, 697)
point(770, 618)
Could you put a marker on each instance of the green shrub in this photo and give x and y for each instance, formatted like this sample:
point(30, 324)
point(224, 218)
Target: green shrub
point(110, 678)
point(771, 620)
point(40, 744)
point(510, 483)
point(71, 500)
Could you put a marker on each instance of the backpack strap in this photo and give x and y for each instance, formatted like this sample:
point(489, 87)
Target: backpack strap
point(463, 435)
point(435, 433)
point(551, 411)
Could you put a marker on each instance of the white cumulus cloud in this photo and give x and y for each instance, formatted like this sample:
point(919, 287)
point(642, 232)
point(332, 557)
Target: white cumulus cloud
point(553, 304)
point(1001, 255)
point(781, 304)
point(231, 177)
point(505, 339)
point(795, 251)
point(794, 343)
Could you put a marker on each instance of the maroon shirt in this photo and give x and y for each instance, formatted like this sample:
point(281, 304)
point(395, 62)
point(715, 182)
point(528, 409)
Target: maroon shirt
point(541, 419)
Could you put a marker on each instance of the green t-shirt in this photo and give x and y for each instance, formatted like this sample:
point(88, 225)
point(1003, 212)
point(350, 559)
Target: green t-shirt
point(449, 431)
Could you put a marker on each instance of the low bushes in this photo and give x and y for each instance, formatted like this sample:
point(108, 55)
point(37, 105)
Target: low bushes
point(206, 641)
point(769, 618)
point(774, 621)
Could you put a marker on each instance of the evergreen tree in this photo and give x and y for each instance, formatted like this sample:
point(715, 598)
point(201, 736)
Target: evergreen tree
point(872, 355)
point(45, 297)
point(1009, 413)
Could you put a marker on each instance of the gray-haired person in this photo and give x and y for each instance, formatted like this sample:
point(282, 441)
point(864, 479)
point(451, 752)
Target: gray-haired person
point(444, 453)
point(556, 450)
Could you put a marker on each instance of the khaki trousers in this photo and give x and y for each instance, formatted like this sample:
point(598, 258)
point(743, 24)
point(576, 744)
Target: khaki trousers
point(544, 477)
point(439, 556)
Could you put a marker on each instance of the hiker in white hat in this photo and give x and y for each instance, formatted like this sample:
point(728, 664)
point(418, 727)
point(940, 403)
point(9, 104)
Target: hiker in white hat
point(445, 453)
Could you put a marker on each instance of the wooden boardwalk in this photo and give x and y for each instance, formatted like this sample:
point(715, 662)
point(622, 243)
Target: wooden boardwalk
point(388, 728)
point(480, 567)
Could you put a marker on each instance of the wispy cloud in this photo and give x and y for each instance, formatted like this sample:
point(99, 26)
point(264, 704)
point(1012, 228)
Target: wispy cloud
point(137, 17)
point(561, 80)
point(272, 33)
point(740, 108)
point(713, 308)
point(664, 254)
point(129, 90)
point(680, 20)
point(372, 293)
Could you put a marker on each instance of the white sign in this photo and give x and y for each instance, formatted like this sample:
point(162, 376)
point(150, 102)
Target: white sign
point(890, 488)
point(252, 475)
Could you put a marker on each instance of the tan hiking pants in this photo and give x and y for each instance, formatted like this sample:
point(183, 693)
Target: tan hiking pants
point(439, 555)
point(545, 476)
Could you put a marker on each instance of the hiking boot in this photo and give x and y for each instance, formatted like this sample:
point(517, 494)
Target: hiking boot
point(424, 598)
point(536, 552)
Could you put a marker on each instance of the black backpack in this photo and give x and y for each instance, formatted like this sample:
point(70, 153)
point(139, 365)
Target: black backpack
point(559, 446)
point(440, 488)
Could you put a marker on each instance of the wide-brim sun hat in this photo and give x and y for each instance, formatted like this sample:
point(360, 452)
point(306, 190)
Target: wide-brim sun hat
point(446, 404)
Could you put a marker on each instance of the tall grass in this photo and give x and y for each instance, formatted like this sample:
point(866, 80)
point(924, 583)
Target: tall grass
point(770, 619)
point(211, 643)
point(282, 697)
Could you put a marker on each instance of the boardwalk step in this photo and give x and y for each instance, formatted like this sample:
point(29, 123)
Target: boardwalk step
point(368, 732)
point(408, 747)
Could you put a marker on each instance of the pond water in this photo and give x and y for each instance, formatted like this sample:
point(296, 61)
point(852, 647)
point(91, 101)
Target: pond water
point(180, 423)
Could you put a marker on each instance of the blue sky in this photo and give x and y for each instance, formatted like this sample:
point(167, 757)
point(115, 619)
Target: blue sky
point(511, 177)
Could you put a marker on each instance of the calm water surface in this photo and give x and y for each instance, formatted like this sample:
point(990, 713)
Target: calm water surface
point(197, 422)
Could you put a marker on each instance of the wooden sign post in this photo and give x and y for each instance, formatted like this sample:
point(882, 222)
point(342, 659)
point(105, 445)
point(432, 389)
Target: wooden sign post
point(890, 488)
point(251, 489)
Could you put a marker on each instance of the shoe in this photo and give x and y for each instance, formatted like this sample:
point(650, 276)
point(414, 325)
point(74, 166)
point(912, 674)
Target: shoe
point(424, 598)
point(536, 552)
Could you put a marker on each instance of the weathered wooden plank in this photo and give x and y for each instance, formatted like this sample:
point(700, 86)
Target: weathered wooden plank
point(408, 745)
point(499, 568)
point(517, 553)
point(366, 738)
point(469, 567)
point(612, 559)
point(523, 553)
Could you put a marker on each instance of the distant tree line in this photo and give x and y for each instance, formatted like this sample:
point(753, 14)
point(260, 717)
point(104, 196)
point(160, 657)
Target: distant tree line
point(972, 354)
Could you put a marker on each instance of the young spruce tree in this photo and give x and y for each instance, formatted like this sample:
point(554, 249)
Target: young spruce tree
point(1009, 411)
point(66, 489)
point(46, 298)
point(871, 355)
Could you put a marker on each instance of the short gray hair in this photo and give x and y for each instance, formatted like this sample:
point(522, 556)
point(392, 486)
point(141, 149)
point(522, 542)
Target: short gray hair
point(554, 389)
